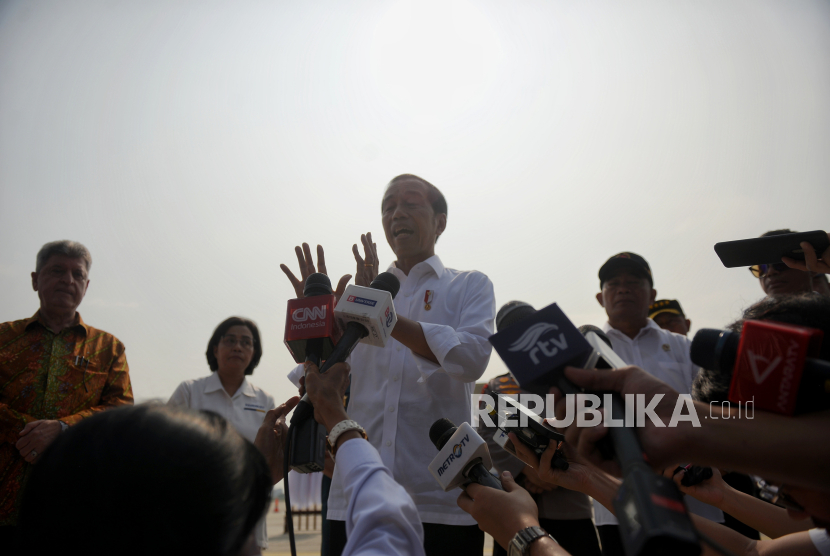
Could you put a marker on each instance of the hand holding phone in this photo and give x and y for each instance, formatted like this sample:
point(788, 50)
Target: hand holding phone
point(814, 261)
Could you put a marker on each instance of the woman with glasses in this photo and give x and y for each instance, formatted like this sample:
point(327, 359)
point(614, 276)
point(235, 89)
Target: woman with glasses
point(233, 352)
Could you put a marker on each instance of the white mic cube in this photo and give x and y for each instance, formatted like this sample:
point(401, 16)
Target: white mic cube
point(370, 307)
point(464, 447)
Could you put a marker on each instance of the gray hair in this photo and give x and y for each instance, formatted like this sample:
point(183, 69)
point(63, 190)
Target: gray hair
point(66, 247)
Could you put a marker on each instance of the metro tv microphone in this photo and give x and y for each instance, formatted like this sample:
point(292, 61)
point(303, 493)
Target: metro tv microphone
point(773, 365)
point(536, 346)
point(463, 457)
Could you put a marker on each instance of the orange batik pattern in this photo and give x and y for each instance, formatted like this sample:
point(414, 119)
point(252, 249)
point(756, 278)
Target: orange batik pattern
point(43, 375)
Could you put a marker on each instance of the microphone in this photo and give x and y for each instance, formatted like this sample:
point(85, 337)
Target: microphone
point(310, 328)
point(310, 335)
point(369, 314)
point(773, 365)
point(536, 346)
point(462, 457)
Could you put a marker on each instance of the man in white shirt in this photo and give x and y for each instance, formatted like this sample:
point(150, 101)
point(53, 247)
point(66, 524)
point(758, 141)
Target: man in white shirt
point(627, 291)
point(427, 372)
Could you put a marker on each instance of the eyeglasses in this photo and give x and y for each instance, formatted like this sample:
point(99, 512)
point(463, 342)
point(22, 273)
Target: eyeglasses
point(759, 270)
point(774, 495)
point(244, 342)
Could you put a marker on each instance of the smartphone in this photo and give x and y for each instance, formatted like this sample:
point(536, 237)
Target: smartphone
point(769, 250)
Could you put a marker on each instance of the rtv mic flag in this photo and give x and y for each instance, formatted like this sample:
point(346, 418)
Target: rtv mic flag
point(310, 322)
point(538, 345)
point(463, 457)
point(772, 365)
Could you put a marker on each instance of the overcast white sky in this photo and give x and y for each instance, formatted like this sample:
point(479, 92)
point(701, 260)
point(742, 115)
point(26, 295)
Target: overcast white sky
point(191, 145)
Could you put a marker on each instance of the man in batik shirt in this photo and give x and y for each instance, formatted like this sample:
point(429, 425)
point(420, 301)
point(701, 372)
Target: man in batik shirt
point(55, 370)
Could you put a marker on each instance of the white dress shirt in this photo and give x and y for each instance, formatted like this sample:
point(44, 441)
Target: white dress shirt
point(381, 517)
point(397, 396)
point(245, 410)
point(664, 355)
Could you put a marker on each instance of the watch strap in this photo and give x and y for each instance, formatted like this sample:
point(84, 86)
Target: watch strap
point(340, 428)
point(520, 545)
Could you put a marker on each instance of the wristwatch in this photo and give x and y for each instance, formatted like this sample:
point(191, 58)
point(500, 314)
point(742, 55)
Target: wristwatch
point(340, 428)
point(520, 545)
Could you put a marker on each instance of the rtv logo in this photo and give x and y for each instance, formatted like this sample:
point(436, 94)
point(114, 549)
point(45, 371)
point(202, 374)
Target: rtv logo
point(388, 316)
point(309, 313)
point(531, 341)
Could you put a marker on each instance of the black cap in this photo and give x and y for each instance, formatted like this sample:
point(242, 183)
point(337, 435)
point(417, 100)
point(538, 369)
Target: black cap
point(665, 306)
point(627, 260)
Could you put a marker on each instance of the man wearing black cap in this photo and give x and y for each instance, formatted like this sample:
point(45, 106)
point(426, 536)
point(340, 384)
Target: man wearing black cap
point(627, 292)
point(668, 314)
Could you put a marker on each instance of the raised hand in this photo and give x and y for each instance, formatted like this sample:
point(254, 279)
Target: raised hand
point(367, 266)
point(306, 262)
point(272, 435)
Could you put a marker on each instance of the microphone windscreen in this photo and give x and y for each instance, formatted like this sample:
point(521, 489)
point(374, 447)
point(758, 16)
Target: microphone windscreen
point(387, 282)
point(585, 328)
point(715, 350)
point(511, 313)
point(440, 431)
point(317, 284)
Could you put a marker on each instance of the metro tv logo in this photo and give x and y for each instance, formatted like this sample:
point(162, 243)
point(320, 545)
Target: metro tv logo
point(457, 451)
point(309, 313)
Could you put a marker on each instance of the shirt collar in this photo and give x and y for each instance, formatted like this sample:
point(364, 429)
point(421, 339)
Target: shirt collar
point(650, 325)
point(37, 319)
point(434, 262)
point(213, 384)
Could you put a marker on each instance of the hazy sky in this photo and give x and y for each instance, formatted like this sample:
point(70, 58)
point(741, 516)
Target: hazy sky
point(191, 145)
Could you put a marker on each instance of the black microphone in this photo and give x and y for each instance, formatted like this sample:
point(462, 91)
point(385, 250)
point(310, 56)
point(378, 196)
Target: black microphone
point(771, 365)
point(370, 312)
point(364, 317)
point(462, 462)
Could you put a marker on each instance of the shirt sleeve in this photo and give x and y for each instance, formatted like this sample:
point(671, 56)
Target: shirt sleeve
point(381, 517)
point(463, 352)
point(181, 396)
point(295, 374)
point(821, 541)
point(117, 389)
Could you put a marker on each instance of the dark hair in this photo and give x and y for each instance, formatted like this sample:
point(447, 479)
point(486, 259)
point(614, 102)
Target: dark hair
point(780, 232)
point(436, 198)
point(222, 329)
point(149, 479)
point(809, 309)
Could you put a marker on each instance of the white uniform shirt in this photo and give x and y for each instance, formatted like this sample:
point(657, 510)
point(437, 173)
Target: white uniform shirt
point(664, 355)
point(245, 410)
point(381, 517)
point(397, 396)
